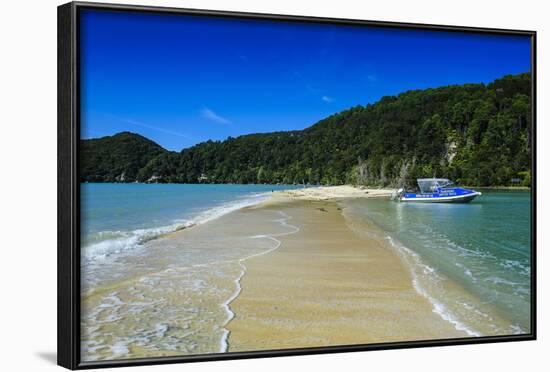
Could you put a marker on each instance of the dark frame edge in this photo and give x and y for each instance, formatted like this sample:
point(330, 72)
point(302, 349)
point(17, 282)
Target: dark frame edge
point(534, 185)
point(66, 127)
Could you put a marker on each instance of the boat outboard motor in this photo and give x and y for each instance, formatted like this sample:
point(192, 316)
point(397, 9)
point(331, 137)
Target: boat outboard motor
point(397, 194)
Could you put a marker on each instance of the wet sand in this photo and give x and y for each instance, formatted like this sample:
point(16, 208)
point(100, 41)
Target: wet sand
point(328, 285)
point(295, 271)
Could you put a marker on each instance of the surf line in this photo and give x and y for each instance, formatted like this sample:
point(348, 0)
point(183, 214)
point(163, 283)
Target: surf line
point(437, 306)
point(224, 343)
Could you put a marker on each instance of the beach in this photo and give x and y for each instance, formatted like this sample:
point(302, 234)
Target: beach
point(333, 193)
point(328, 285)
point(286, 268)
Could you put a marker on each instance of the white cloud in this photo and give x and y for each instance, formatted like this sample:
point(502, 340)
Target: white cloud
point(133, 122)
point(211, 115)
point(327, 99)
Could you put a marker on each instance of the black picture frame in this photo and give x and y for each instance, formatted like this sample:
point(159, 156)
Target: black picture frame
point(68, 250)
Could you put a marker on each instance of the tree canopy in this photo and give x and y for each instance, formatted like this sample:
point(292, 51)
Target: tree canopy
point(476, 134)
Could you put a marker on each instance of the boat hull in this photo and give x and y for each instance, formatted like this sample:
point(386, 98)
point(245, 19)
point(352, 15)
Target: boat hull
point(441, 199)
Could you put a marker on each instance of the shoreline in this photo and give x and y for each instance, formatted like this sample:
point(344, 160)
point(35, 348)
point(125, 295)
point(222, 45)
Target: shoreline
point(333, 193)
point(307, 186)
point(327, 278)
point(241, 262)
point(328, 287)
point(519, 188)
point(214, 213)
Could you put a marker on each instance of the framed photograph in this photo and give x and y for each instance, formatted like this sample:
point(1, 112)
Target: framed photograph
point(236, 185)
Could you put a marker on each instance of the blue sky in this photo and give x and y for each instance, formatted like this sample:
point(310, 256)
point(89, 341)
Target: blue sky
point(181, 80)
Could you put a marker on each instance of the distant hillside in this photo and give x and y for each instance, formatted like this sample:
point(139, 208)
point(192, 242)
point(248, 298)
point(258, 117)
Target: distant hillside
point(117, 158)
point(476, 134)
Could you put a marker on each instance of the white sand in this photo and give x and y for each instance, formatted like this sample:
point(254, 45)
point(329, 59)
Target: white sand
point(334, 192)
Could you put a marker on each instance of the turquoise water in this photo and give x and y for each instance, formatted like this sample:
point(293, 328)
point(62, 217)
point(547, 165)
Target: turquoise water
point(148, 294)
point(118, 217)
point(484, 247)
point(170, 296)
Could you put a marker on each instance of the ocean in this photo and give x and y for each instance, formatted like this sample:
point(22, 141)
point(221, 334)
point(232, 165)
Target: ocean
point(472, 261)
point(118, 217)
point(147, 293)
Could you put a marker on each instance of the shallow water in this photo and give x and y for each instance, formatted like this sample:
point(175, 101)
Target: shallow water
point(119, 217)
point(147, 292)
point(150, 290)
point(471, 260)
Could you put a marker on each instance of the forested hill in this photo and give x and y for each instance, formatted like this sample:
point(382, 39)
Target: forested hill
point(117, 158)
point(476, 134)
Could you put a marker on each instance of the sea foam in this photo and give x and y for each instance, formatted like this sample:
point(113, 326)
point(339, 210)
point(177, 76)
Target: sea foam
point(224, 344)
point(107, 243)
point(416, 263)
